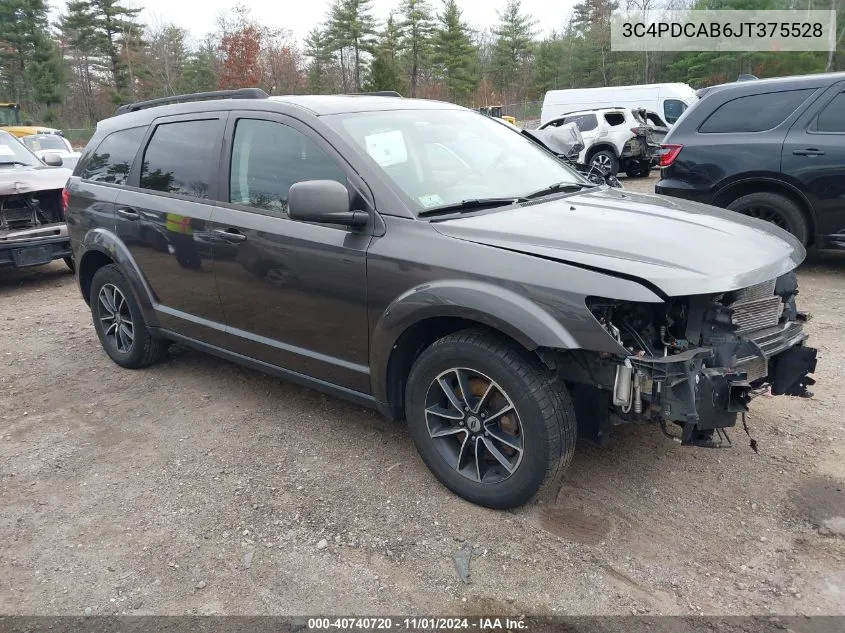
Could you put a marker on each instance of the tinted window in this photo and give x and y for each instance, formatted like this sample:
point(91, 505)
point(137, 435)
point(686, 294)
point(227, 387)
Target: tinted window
point(754, 113)
point(269, 157)
point(832, 118)
point(673, 109)
point(113, 158)
point(182, 157)
point(585, 122)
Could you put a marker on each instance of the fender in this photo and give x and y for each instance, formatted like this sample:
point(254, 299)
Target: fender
point(496, 307)
point(777, 181)
point(107, 243)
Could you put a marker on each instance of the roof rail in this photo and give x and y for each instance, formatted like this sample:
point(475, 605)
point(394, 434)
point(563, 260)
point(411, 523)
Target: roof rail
point(379, 93)
point(243, 93)
point(601, 108)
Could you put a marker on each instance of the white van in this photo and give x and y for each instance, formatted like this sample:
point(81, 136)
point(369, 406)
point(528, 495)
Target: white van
point(667, 100)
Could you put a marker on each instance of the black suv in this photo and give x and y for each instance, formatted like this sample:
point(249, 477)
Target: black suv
point(771, 149)
point(423, 259)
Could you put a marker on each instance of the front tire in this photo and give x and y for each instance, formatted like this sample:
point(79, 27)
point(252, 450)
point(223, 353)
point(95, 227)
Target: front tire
point(70, 263)
point(487, 419)
point(120, 325)
point(774, 208)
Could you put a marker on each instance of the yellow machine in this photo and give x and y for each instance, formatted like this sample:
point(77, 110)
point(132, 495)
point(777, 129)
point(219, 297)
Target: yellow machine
point(496, 112)
point(10, 120)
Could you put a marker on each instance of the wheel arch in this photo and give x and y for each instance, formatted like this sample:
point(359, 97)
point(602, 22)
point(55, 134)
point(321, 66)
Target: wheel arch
point(423, 315)
point(603, 145)
point(101, 248)
point(735, 190)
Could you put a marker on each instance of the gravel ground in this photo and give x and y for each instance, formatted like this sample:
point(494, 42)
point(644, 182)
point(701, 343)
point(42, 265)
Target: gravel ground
point(200, 487)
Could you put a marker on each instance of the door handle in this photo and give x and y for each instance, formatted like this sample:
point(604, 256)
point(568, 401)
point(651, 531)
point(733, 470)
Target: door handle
point(230, 235)
point(810, 151)
point(128, 214)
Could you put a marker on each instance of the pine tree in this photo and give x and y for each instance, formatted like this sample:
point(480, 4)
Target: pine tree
point(200, 74)
point(513, 47)
point(385, 73)
point(105, 35)
point(417, 29)
point(317, 47)
point(31, 68)
point(352, 26)
point(453, 53)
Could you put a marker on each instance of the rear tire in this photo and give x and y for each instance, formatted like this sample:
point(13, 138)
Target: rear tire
point(774, 208)
point(535, 439)
point(605, 160)
point(640, 169)
point(120, 325)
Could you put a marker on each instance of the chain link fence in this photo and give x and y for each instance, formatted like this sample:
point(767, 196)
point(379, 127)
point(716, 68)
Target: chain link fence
point(525, 113)
point(79, 137)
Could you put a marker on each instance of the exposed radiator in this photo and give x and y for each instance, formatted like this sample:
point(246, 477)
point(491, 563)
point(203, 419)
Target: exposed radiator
point(756, 308)
point(759, 291)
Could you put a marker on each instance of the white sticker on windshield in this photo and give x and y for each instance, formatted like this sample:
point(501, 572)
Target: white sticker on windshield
point(5, 150)
point(387, 148)
point(430, 200)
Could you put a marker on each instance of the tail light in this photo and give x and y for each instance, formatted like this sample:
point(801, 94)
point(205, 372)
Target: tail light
point(65, 200)
point(668, 154)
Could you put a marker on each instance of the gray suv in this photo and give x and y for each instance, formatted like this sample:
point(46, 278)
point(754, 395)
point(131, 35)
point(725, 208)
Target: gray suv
point(422, 259)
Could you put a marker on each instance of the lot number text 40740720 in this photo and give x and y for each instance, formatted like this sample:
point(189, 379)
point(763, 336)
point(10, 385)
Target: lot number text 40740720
point(424, 623)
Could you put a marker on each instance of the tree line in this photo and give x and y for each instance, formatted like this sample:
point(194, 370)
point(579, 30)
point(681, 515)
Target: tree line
point(99, 54)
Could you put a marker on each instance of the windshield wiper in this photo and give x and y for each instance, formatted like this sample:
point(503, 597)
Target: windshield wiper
point(472, 203)
point(14, 162)
point(558, 187)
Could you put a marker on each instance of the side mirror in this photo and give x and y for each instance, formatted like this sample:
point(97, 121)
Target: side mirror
point(323, 202)
point(53, 160)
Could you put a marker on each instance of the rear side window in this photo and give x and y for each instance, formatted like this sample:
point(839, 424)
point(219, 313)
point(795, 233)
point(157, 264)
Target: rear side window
point(113, 158)
point(585, 122)
point(614, 118)
point(182, 158)
point(755, 113)
point(832, 118)
point(673, 109)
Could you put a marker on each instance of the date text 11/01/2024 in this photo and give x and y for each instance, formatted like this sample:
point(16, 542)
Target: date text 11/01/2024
point(417, 624)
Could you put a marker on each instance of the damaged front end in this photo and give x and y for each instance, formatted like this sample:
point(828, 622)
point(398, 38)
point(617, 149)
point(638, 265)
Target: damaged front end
point(698, 361)
point(32, 226)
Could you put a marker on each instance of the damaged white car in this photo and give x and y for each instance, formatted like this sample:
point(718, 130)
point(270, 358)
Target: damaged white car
point(33, 198)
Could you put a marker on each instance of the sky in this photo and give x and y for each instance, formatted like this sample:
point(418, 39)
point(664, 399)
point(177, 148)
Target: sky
point(300, 16)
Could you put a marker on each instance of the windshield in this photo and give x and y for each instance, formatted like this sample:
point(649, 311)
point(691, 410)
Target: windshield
point(8, 116)
point(13, 152)
point(443, 157)
point(45, 142)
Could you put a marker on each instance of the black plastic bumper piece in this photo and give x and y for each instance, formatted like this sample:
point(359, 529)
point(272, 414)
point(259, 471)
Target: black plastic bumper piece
point(790, 376)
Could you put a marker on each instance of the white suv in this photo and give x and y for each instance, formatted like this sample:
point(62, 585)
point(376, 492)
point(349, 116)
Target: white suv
point(615, 139)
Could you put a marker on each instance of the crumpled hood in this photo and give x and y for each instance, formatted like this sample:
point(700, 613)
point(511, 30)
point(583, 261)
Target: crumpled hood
point(681, 247)
point(28, 179)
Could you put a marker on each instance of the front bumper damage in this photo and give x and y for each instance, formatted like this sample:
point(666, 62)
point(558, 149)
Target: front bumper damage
point(698, 361)
point(701, 399)
point(34, 246)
